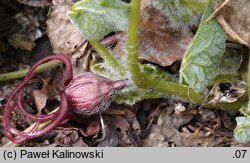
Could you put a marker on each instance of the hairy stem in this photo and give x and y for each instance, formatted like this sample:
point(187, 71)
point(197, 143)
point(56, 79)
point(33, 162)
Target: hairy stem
point(133, 37)
point(22, 73)
point(108, 57)
point(146, 81)
point(227, 78)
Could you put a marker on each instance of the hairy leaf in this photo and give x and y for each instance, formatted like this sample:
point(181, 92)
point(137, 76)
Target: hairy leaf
point(181, 13)
point(231, 60)
point(132, 94)
point(242, 131)
point(97, 18)
point(201, 61)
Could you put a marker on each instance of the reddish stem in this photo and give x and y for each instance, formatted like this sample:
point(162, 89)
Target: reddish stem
point(18, 136)
point(88, 94)
point(112, 39)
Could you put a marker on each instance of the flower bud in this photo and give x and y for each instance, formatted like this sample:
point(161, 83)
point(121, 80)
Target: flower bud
point(89, 94)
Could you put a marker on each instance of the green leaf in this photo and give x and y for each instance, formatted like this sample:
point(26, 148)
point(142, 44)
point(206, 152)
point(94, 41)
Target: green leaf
point(231, 60)
point(132, 94)
point(201, 61)
point(97, 18)
point(181, 12)
point(242, 131)
point(116, 4)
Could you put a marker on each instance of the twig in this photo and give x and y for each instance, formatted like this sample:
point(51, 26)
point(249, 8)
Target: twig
point(230, 31)
point(217, 10)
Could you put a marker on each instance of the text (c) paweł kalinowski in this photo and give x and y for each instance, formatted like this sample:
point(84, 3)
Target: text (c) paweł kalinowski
point(61, 154)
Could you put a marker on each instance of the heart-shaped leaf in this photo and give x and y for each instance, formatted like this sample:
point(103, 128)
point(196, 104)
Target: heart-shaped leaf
point(97, 18)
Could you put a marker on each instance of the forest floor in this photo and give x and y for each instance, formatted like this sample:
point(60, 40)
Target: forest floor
point(28, 34)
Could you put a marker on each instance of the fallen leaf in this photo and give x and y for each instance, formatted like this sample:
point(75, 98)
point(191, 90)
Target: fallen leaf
point(198, 129)
point(206, 115)
point(121, 130)
point(227, 119)
point(158, 42)
point(87, 126)
point(45, 96)
point(93, 128)
point(235, 20)
point(40, 100)
point(63, 36)
point(227, 92)
point(155, 140)
point(24, 38)
point(68, 137)
point(177, 120)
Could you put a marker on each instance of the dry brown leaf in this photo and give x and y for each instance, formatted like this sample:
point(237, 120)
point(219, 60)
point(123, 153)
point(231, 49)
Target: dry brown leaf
point(203, 130)
point(235, 20)
point(24, 38)
point(227, 92)
point(115, 111)
point(155, 139)
point(93, 128)
point(69, 137)
point(50, 89)
point(121, 130)
point(158, 42)
point(63, 35)
point(40, 100)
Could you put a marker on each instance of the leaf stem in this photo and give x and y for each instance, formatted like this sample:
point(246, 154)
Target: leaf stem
point(227, 78)
point(108, 57)
point(22, 73)
point(146, 81)
point(137, 76)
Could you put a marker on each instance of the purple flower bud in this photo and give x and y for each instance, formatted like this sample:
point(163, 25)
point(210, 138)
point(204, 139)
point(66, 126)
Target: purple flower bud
point(89, 93)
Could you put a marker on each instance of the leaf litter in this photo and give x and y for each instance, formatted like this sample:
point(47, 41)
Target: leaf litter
point(234, 18)
point(195, 127)
point(173, 124)
point(64, 36)
point(159, 43)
